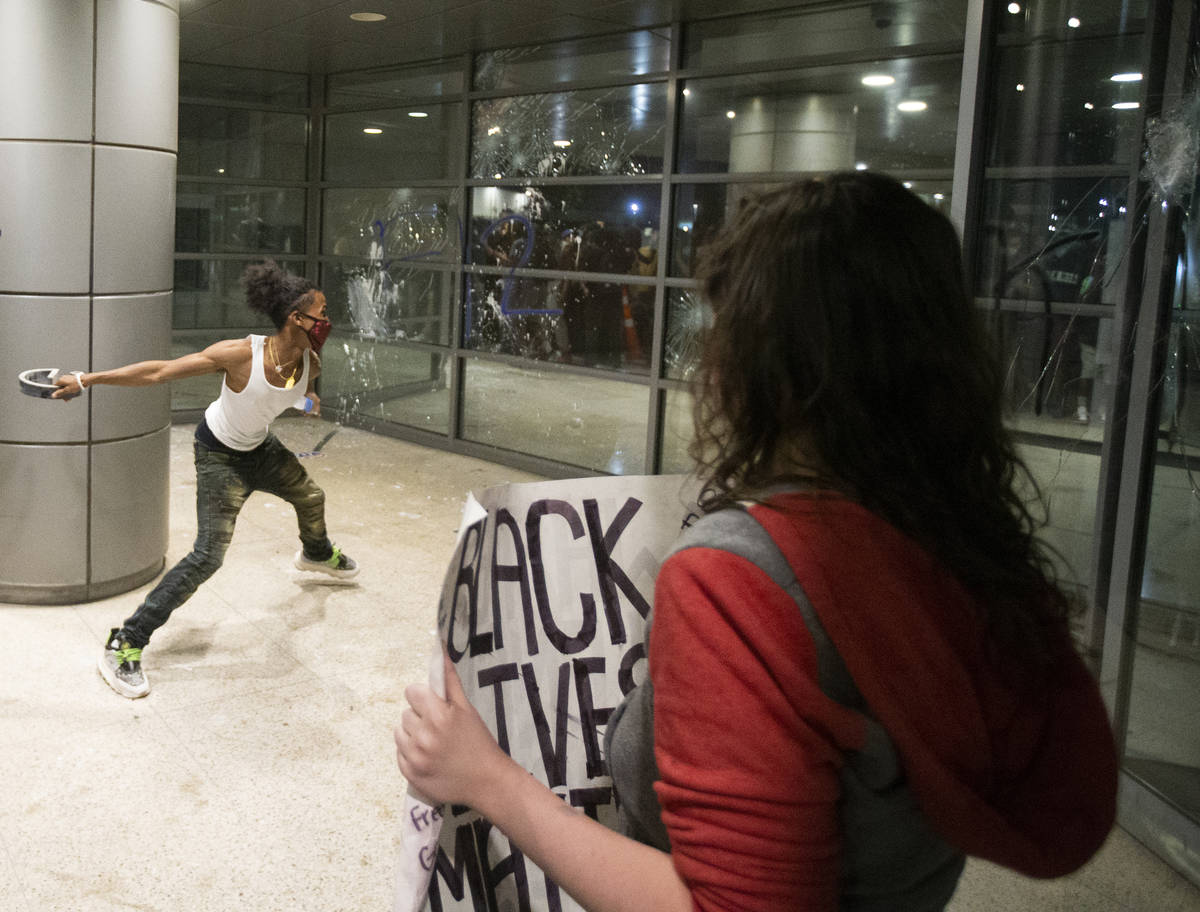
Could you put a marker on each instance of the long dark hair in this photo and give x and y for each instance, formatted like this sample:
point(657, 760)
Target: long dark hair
point(844, 343)
point(272, 290)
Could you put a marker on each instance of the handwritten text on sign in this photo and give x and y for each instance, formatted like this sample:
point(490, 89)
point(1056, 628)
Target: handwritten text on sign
point(543, 613)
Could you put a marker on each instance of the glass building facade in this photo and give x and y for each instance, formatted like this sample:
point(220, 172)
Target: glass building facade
point(507, 241)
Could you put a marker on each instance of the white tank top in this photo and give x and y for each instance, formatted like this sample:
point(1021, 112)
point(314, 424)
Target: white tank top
point(240, 420)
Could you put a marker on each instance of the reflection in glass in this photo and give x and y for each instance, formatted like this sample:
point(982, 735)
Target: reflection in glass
point(677, 432)
point(386, 381)
point(1052, 263)
point(197, 392)
point(603, 58)
point(1050, 18)
point(219, 83)
point(392, 224)
point(795, 33)
point(823, 119)
point(417, 143)
point(600, 131)
point(444, 77)
point(700, 209)
point(209, 295)
point(556, 320)
point(580, 420)
point(237, 143)
point(591, 228)
point(391, 301)
point(1054, 103)
point(226, 218)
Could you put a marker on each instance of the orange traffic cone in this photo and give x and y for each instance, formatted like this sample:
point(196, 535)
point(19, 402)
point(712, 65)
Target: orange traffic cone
point(632, 346)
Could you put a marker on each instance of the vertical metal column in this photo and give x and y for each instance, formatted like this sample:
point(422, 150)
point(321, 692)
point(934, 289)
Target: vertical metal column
point(88, 136)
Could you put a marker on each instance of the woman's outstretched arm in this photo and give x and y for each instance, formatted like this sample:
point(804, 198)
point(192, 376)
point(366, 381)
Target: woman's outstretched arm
point(446, 752)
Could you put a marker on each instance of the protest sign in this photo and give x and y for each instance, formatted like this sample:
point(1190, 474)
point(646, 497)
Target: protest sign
point(543, 613)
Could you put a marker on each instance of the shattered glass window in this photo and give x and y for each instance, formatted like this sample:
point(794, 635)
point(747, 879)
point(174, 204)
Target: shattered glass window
point(687, 317)
point(618, 131)
point(395, 144)
point(544, 227)
point(824, 119)
point(393, 224)
point(590, 324)
point(532, 67)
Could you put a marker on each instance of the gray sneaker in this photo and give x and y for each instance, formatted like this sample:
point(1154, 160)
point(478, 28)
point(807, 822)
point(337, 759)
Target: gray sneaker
point(337, 565)
point(121, 666)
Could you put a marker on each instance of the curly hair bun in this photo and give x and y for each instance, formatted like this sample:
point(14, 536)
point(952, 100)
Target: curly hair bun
point(272, 290)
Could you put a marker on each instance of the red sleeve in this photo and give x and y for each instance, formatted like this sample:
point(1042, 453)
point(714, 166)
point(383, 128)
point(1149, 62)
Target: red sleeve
point(748, 748)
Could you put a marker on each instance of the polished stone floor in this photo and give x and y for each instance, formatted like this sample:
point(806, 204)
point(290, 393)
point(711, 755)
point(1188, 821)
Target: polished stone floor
point(259, 774)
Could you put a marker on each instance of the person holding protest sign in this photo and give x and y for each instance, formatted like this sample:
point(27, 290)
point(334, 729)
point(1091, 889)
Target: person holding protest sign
point(235, 452)
point(860, 668)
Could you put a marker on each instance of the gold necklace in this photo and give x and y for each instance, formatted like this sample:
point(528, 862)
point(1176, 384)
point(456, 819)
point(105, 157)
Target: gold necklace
point(291, 379)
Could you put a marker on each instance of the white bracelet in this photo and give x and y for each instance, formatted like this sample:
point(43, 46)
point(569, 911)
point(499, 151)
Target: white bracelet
point(79, 377)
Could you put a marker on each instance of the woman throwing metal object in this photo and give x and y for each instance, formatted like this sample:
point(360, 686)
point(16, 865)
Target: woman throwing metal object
point(235, 452)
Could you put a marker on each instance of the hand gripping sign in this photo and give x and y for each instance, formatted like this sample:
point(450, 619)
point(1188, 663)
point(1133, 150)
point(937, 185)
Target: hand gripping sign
point(543, 613)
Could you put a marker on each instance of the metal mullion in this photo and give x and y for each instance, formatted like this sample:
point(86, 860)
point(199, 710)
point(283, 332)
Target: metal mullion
point(422, 265)
point(576, 85)
point(1038, 306)
point(243, 105)
point(393, 104)
point(555, 275)
point(1051, 172)
point(297, 184)
point(315, 203)
point(974, 100)
point(227, 256)
point(929, 51)
point(606, 180)
point(654, 420)
point(555, 367)
point(421, 184)
point(1142, 336)
point(458, 283)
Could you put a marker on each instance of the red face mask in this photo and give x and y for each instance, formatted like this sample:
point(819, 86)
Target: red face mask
point(318, 332)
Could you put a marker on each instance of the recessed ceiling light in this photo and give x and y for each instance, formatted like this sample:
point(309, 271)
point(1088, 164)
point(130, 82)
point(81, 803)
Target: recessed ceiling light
point(1088, 105)
point(911, 106)
point(1126, 106)
point(861, 166)
point(939, 196)
point(368, 17)
point(1074, 22)
point(374, 131)
point(876, 80)
point(731, 114)
point(220, 170)
point(908, 185)
point(1014, 8)
point(418, 114)
point(1020, 87)
point(562, 143)
point(1126, 77)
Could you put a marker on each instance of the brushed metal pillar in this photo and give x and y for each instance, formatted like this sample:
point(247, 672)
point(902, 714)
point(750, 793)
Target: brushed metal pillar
point(88, 140)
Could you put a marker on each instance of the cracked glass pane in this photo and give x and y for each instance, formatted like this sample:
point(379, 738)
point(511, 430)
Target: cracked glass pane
point(603, 58)
point(394, 224)
point(1162, 745)
point(618, 131)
